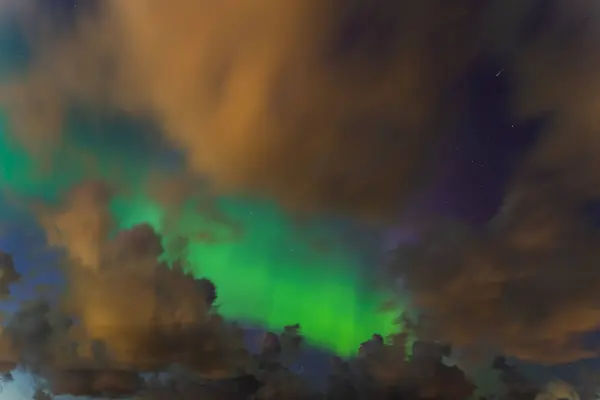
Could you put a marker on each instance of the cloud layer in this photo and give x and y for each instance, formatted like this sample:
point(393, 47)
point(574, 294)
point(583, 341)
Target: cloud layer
point(322, 107)
point(331, 110)
point(526, 285)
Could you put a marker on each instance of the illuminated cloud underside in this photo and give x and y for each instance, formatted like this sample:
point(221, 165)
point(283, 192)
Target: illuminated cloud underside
point(271, 274)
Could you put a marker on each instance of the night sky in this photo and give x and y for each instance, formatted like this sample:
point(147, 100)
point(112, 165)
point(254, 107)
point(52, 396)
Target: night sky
point(287, 164)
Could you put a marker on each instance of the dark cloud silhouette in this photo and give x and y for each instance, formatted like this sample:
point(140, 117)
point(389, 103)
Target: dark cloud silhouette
point(8, 274)
point(95, 383)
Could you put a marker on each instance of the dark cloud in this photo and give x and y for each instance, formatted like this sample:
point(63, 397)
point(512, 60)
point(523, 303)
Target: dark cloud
point(8, 274)
point(95, 383)
point(82, 224)
point(169, 322)
point(524, 286)
point(36, 337)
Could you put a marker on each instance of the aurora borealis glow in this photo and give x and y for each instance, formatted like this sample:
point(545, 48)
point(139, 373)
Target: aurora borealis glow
point(269, 269)
point(272, 275)
point(411, 184)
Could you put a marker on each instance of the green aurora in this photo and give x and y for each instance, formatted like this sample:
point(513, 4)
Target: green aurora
point(267, 269)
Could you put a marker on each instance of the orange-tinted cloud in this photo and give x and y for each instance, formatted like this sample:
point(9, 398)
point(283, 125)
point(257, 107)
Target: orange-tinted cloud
point(525, 286)
point(269, 98)
point(290, 101)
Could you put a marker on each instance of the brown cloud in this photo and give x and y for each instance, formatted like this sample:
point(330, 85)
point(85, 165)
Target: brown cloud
point(8, 274)
point(320, 104)
point(557, 76)
point(526, 286)
point(82, 224)
point(133, 312)
point(89, 382)
point(270, 98)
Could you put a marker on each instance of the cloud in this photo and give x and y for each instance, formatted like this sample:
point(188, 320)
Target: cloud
point(525, 286)
point(320, 106)
point(556, 73)
point(36, 336)
point(321, 111)
point(82, 224)
point(128, 312)
point(8, 274)
point(147, 315)
point(82, 382)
